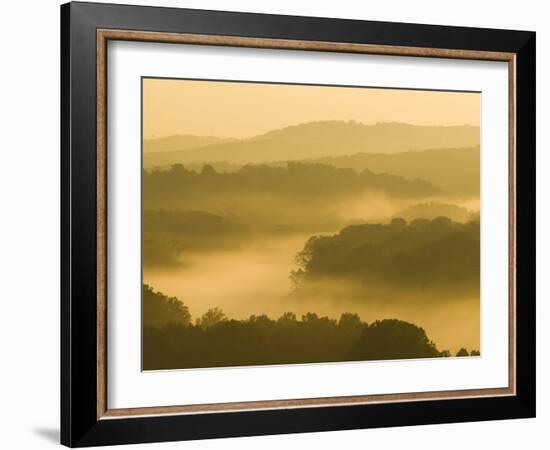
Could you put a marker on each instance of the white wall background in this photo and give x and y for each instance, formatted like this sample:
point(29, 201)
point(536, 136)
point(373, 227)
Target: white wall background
point(29, 224)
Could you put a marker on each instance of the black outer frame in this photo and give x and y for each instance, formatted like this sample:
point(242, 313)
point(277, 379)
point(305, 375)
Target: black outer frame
point(79, 423)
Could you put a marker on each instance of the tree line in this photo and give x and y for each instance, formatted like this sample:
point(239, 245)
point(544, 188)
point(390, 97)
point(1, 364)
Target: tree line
point(171, 339)
point(418, 254)
point(304, 180)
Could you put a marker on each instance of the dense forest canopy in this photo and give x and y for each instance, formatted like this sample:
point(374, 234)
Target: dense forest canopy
point(304, 180)
point(454, 170)
point(423, 254)
point(214, 340)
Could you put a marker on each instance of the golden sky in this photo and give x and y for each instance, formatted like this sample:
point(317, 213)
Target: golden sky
point(233, 109)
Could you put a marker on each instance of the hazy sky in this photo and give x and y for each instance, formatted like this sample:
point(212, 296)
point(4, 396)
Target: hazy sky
point(229, 109)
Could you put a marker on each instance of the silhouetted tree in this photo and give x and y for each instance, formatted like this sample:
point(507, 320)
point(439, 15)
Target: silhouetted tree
point(210, 318)
point(393, 339)
point(287, 318)
point(348, 319)
point(208, 170)
point(398, 223)
point(159, 310)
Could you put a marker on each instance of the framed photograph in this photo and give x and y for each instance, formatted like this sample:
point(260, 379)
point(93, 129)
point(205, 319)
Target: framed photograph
point(277, 224)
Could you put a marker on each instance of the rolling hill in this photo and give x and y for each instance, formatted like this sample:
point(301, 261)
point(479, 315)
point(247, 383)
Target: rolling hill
point(309, 141)
point(453, 169)
point(180, 142)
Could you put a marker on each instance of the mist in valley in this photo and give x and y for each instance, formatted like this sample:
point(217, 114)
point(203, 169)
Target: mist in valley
point(358, 237)
point(239, 252)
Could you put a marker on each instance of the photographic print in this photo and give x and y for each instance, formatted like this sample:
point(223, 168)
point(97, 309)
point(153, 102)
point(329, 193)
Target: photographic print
point(299, 224)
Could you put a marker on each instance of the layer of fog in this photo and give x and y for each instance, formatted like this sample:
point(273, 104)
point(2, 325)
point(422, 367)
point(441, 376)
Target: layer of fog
point(254, 279)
